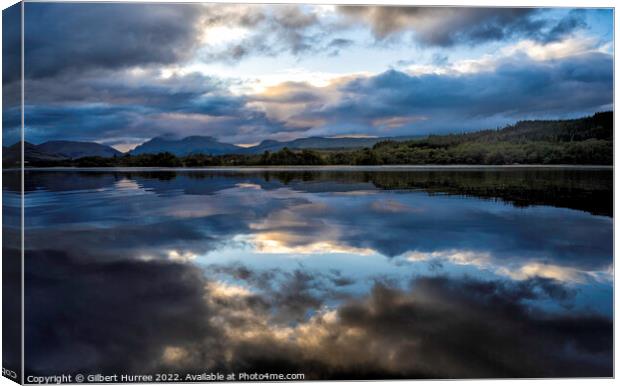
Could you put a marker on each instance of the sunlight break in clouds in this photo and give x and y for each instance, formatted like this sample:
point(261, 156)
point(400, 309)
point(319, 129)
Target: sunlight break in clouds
point(284, 243)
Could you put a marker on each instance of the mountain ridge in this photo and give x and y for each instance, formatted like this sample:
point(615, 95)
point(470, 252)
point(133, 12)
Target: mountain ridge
point(56, 150)
point(194, 144)
point(197, 144)
point(587, 139)
point(78, 149)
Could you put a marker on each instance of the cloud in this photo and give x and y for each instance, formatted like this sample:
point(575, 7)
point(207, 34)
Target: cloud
point(302, 29)
point(135, 105)
point(467, 327)
point(289, 296)
point(271, 30)
point(11, 46)
point(448, 26)
point(139, 297)
point(299, 30)
point(11, 74)
point(276, 219)
point(110, 318)
point(115, 317)
point(573, 21)
point(514, 88)
point(123, 90)
point(339, 44)
point(107, 36)
point(508, 242)
point(436, 328)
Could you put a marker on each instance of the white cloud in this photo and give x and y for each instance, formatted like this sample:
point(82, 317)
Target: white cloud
point(524, 49)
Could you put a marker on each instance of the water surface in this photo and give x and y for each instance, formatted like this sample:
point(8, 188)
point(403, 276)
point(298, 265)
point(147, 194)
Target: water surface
point(331, 273)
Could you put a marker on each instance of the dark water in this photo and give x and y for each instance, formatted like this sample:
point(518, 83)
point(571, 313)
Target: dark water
point(334, 274)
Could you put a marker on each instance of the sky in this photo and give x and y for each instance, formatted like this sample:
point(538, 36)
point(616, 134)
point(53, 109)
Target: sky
point(121, 74)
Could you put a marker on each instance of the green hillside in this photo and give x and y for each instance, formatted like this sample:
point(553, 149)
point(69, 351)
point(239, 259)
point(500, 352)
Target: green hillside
point(586, 140)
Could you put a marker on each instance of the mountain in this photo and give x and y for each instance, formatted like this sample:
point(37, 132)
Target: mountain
point(322, 143)
point(314, 143)
point(55, 151)
point(186, 146)
point(209, 145)
point(12, 155)
point(581, 141)
point(75, 150)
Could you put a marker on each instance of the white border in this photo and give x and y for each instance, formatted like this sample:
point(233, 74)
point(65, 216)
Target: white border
point(480, 3)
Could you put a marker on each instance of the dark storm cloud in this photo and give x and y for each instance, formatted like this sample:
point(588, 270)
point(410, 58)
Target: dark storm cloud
point(439, 327)
point(94, 76)
point(113, 317)
point(142, 87)
point(132, 316)
point(290, 296)
point(76, 37)
point(11, 45)
point(75, 122)
point(517, 87)
point(467, 328)
point(447, 26)
point(11, 74)
point(138, 105)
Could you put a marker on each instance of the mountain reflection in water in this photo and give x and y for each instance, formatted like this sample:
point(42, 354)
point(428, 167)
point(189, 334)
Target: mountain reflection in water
point(335, 274)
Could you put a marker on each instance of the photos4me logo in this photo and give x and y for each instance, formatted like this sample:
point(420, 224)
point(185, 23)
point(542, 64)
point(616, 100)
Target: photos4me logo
point(9, 373)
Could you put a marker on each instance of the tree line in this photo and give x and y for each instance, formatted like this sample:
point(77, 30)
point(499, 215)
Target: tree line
point(586, 141)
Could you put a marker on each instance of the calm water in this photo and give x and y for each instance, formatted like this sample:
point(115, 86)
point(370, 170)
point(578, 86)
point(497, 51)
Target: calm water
point(335, 274)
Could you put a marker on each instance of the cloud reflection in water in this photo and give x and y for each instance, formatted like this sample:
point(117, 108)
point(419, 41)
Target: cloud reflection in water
point(250, 271)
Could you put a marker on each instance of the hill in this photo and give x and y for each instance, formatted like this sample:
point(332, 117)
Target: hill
point(598, 126)
point(52, 152)
point(587, 140)
point(321, 143)
point(75, 149)
point(186, 146)
point(211, 146)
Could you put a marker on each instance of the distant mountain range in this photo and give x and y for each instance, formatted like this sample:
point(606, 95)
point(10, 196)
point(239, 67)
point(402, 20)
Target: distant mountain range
point(185, 146)
point(57, 151)
point(323, 143)
point(209, 145)
point(73, 149)
point(598, 127)
point(67, 150)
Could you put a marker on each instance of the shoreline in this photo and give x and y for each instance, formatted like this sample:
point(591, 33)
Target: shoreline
point(324, 168)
